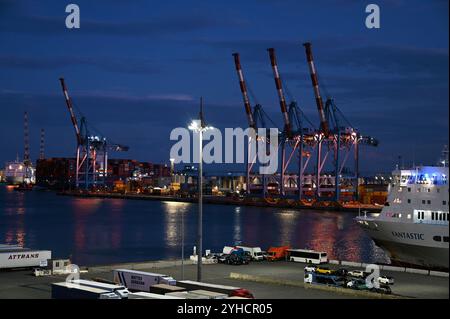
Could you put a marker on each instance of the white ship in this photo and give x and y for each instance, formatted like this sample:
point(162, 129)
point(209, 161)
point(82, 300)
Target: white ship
point(18, 173)
point(413, 225)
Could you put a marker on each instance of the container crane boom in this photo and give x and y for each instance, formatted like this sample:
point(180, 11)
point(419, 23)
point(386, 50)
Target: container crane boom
point(72, 114)
point(315, 82)
point(276, 74)
point(248, 108)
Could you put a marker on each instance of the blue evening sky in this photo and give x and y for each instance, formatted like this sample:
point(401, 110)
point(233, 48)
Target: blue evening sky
point(136, 69)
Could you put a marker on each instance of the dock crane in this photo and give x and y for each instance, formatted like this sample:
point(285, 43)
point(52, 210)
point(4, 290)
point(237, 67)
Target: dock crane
point(338, 138)
point(257, 118)
point(295, 133)
point(92, 150)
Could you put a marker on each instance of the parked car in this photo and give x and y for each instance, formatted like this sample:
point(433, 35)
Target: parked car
point(356, 273)
point(340, 272)
point(324, 270)
point(310, 269)
point(385, 280)
point(382, 290)
point(234, 259)
point(357, 284)
point(222, 259)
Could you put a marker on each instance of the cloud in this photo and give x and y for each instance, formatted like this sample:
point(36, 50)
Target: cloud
point(47, 25)
point(110, 64)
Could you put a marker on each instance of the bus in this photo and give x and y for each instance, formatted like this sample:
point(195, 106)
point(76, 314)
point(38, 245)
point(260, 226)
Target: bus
point(307, 256)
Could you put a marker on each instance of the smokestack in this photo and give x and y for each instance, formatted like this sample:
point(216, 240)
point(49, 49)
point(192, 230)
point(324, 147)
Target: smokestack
point(315, 83)
point(26, 153)
point(248, 108)
point(276, 74)
point(42, 145)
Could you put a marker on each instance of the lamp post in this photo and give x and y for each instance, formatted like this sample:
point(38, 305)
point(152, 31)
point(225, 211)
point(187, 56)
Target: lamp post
point(199, 126)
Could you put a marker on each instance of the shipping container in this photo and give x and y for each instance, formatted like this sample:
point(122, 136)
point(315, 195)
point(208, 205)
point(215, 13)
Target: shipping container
point(164, 288)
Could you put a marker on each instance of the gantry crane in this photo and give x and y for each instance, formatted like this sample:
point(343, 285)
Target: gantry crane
point(296, 135)
point(92, 150)
point(338, 138)
point(257, 118)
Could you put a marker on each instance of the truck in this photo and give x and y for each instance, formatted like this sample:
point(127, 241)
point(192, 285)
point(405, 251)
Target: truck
point(228, 290)
point(255, 252)
point(149, 295)
point(209, 294)
point(67, 290)
point(120, 290)
point(140, 280)
point(16, 257)
point(163, 289)
point(277, 253)
point(322, 279)
point(186, 295)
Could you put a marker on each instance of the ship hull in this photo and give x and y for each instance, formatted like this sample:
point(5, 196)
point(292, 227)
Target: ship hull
point(14, 180)
point(410, 244)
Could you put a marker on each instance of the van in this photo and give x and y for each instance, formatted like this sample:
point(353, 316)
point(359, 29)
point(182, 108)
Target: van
point(255, 252)
point(277, 253)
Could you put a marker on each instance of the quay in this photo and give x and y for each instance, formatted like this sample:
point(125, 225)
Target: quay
point(274, 280)
point(246, 201)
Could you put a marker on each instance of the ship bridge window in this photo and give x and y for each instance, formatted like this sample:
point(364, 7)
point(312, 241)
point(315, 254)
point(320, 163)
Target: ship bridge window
point(409, 189)
point(444, 202)
point(445, 239)
point(409, 201)
point(429, 202)
point(437, 238)
point(423, 201)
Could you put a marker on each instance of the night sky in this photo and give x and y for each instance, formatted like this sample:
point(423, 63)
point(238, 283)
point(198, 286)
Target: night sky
point(136, 69)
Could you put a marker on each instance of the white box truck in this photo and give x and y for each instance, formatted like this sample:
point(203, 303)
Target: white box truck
point(255, 252)
point(186, 295)
point(149, 295)
point(140, 280)
point(228, 290)
point(17, 257)
point(67, 290)
point(209, 294)
point(120, 290)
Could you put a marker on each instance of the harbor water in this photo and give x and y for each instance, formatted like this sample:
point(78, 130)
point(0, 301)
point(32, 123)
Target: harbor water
point(103, 231)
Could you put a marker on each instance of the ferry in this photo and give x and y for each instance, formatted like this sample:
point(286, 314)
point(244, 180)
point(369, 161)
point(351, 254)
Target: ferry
point(412, 227)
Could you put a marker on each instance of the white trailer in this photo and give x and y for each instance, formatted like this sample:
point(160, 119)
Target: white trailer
point(255, 252)
point(141, 280)
point(209, 294)
point(67, 290)
point(120, 290)
point(186, 295)
point(149, 295)
point(23, 258)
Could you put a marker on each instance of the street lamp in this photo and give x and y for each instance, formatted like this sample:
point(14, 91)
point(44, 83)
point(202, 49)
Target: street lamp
point(199, 126)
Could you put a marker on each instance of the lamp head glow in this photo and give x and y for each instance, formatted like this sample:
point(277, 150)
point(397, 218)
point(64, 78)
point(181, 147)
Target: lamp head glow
point(196, 125)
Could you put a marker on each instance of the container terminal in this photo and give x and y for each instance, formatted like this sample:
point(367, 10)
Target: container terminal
point(319, 169)
point(319, 165)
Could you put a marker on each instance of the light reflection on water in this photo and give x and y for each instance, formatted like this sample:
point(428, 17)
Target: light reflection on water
point(100, 231)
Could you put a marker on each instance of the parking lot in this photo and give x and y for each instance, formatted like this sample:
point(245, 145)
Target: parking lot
point(285, 281)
